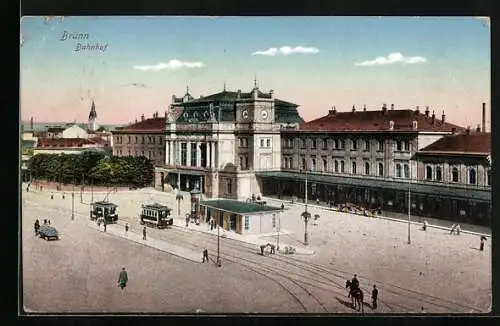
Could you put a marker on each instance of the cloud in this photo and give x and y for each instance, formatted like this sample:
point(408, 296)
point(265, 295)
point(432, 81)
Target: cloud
point(286, 50)
point(171, 65)
point(392, 58)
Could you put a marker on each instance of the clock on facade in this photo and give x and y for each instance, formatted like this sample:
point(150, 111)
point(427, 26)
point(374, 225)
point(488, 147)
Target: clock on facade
point(263, 114)
point(244, 114)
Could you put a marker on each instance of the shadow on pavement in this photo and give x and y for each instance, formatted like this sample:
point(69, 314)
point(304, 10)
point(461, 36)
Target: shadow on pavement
point(348, 304)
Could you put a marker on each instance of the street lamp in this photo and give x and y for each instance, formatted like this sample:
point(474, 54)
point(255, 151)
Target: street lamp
point(306, 216)
point(279, 228)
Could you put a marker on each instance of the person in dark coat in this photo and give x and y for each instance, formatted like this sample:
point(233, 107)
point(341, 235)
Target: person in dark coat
point(374, 297)
point(126, 228)
point(354, 283)
point(481, 245)
point(37, 226)
point(282, 206)
point(144, 233)
point(205, 255)
point(104, 223)
point(123, 278)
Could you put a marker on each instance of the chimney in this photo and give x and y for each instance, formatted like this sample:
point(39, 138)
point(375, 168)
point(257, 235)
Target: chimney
point(364, 107)
point(443, 117)
point(142, 117)
point(478, 129)
point(417, 111)
point(332, 111)
point(384, 108)
point(31, 123)
point(392, 106)
point(433, 117)
point(484, 117)
point(426, 111)
point(353, 108)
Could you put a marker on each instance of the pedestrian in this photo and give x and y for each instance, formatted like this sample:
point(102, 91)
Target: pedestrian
point(317, 201)
point(262, 247)
point(187, 220)
point(481, 246)
point(354, 282)
point(272, 248)
point(123, 278)
point(126, 228)
point(253, 197)
point(374, 297)
point(37, 226)
point(63, 195)
point(52, 196)
point(424, 227)
point(104, 224)
point(458, 229)
point(205, 255)
point(453, 227)
point(144, 233)
point(211, 224)
point(282, 206)
point(48, 222)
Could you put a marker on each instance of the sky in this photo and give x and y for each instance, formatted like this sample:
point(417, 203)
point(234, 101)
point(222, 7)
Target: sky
point(315, 62)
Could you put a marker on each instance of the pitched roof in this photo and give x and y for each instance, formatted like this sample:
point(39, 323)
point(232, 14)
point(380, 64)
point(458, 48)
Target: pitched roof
point(229, 96)
point(64, 142)
point(152, 124)
point(378, 120)
point(471, 143)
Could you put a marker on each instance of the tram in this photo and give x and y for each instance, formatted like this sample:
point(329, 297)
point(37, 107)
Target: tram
point(104, 210)
point(156, 215)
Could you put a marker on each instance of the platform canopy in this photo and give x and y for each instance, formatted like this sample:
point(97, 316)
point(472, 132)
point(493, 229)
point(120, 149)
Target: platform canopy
point(238, 207)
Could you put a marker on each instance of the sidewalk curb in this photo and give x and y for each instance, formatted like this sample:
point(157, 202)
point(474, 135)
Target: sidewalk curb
point(304, 251)
point(384, 218)
point(136, 238)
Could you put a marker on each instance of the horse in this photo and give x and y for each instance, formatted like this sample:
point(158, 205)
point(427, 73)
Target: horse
point(356, 295)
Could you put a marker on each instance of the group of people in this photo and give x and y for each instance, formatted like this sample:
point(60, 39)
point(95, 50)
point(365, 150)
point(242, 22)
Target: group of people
point(455, 228)
point(353, 286)
point(37, 224)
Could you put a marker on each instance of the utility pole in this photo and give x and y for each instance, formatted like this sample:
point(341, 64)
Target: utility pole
point(73, 200)
point(409, 202)
point(218, 241)
point(81, 190)
point(279, 228)
point(306, 216)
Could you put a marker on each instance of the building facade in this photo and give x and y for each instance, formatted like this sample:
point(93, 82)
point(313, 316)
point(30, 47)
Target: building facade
point(461, 162)
point(143, 138)
point(217, 143)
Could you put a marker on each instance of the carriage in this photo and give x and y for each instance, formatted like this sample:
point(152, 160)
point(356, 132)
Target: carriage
point(104, 210)
point(156, 215)
point(48, 232)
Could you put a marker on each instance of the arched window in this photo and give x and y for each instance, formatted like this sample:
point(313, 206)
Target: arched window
point(342, 166)
point(325, 165)
point(454, 174)
point(428, 173)
point(336, 144)
point(398, 170)
point(472, 176)
point(336, 166)
point(302, 143)
point(367, 168)
point(381, 170)
point(353, 167)
point(303, 165)
point(407, 171)
point(342, 144)
point(439, 173)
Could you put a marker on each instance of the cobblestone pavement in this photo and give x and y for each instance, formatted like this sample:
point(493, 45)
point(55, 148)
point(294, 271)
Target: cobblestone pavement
point(437, 272)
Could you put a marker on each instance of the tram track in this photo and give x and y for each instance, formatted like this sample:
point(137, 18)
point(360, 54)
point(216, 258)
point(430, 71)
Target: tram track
point(325, 278)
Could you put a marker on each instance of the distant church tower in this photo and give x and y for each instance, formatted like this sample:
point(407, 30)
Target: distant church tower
point(92, 118)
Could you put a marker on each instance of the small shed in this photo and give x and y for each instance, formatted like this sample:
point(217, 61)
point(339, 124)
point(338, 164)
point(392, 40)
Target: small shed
point(241, 217)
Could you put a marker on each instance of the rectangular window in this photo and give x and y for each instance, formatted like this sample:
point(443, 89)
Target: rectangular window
point(367, 145)
point(398, 145)
point(342, 167)
point(183, 153)
point(354, 145)
point(303, 143)
point(325, 143)
point(380, 145)
point(313, 164)
point(313, 144)
point(247, 222)
point(407, 145)
point(268, 143)
point(193, 154)
point(241, 162)
point(342, 144)
point(246, 161)
point(262, 143)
